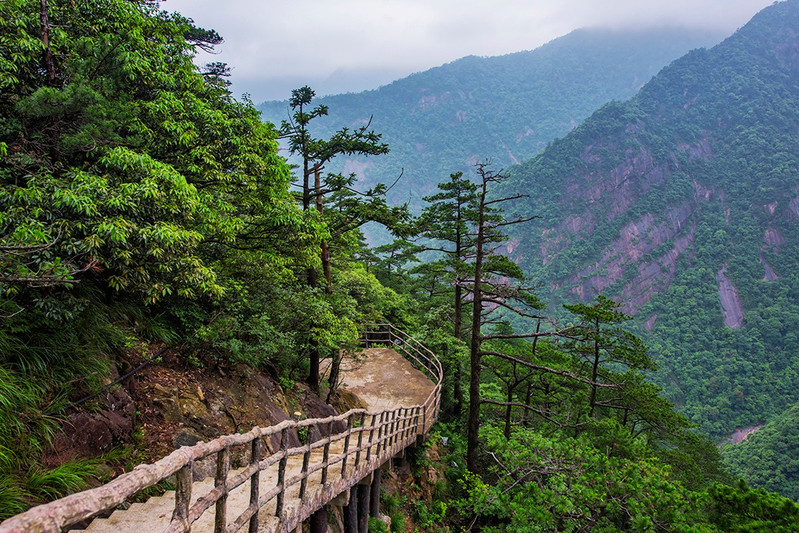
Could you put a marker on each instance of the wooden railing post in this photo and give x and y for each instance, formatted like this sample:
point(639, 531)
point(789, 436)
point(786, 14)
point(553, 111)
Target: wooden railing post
point(371, 436)
point(326, 453)
point(346, 447)
point(255, 482)
point(361, 429)
point(281, 473)
point(406, 422)
point(183, 496)
point(222, 469)
point(395, 425)
point(306, 457)
point(380, 433)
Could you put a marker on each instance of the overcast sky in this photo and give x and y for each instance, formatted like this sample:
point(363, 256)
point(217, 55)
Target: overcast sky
point(336, 46)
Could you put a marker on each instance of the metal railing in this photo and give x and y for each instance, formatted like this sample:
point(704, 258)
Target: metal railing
point(342, 459)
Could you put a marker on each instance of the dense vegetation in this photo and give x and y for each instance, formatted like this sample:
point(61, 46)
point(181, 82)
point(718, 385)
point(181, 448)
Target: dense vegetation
point(684, 193)
point(504, 108)
point(564, 433)
point(142, 205)
point(768, 457)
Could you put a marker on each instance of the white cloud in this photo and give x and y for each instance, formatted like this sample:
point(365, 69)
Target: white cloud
point(273, 43)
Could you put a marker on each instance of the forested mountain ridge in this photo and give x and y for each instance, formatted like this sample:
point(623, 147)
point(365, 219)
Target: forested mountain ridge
point(683, 202)
point(504, 108)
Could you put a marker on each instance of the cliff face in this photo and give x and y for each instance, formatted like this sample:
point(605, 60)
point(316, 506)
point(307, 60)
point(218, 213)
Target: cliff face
point(622, 205)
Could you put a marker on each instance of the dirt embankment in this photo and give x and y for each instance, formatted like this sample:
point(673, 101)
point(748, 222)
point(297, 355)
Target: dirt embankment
point(169, 404)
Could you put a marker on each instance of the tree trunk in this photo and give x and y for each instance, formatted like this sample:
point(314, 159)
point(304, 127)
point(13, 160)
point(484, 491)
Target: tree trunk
point(325, 250)
point(508, 411)
point(594, 371)
point(458, 391)
point(475, 347)
point(49, 62)
point(335, 370)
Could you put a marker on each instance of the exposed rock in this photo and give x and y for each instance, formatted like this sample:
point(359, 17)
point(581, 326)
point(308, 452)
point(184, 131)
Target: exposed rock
point(795, 206)
point(203, 468)
point(771, 208)
point(701, 150)
point(774, 239)
point(770, 275)
point(636, 240)
point(83, 435)
point(314, 407)
point(731, 306)
point(344, 400)
point(741, 434)
point(650, 323)
point(656, 275)
point(88, 434)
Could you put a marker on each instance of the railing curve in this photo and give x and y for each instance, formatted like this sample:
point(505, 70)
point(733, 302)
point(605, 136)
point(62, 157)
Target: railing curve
point(369, 440)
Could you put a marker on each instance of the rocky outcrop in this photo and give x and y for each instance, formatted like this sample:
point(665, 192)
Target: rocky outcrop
point(89, 434)
point(769, 275)
point(636, 241)
point(168, 406)
point(731, 307)
point(616, 191)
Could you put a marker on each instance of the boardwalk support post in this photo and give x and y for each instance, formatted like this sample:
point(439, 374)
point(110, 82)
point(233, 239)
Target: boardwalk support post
point(364, 498)
point(374, 504)
point(318, 521)
point(351, 512)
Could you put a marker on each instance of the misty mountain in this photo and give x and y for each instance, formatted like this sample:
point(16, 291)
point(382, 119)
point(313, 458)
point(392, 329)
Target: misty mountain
point(504, 108)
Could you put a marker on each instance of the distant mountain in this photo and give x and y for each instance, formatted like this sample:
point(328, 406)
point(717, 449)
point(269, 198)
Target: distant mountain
point(504, 108)
point(684, 204)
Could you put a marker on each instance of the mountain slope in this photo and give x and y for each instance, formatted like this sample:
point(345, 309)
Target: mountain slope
point(503, 108)
point(768, 458)
point(684, 203)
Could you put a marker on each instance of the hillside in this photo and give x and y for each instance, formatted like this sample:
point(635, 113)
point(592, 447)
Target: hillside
point(768, 458)
point(503, 108)
point(683, 202)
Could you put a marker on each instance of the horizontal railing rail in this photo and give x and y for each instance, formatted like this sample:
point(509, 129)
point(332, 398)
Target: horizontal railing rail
point(369, 440)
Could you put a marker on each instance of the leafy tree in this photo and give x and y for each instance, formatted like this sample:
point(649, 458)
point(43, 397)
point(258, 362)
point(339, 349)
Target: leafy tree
point(347, 208)
point(127, 179)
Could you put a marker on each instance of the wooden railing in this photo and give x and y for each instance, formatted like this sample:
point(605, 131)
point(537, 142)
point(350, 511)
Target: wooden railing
point(342, 459)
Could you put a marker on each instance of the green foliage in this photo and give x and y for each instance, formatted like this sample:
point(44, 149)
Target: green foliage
point(62, 480)
point(767, 458)
point(127, 179)
point(377, 525)
point(743, 510)
point(557, 483)
point(397, 523)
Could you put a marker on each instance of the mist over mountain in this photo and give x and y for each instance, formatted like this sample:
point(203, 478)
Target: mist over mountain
point(504, 108)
